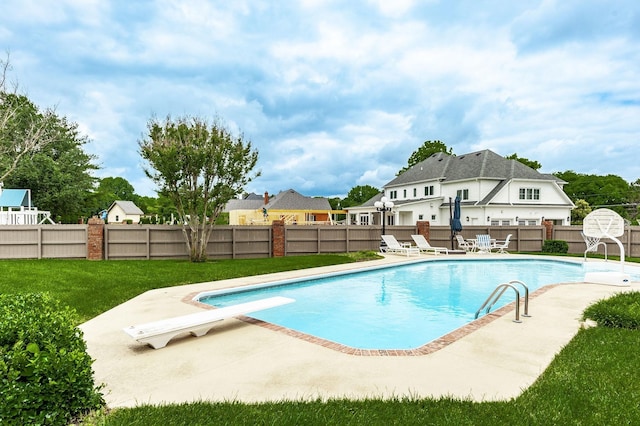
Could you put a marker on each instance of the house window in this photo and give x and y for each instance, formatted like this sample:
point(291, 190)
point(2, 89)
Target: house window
point(433, 217)
point(420, 217)
point(428, 190)
point(415, 192)
point(391, 220)
point(393, 195)
point(463, 194)
point(364, 219)
point(404, 193)
point(117, 218)
point(529, 194)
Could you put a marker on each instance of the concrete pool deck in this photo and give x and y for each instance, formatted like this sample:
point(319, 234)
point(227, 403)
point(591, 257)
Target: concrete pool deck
point(239, 361)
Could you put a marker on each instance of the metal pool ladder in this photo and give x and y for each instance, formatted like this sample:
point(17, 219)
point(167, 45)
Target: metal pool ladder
point(499, 291)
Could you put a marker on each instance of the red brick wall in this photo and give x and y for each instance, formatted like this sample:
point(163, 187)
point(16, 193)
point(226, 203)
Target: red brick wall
point(95, 239)
point(549, 227)
point(277, 238)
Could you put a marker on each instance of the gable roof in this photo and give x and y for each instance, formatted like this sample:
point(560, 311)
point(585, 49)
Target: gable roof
point(292, 200)
point(480, 164)
point(14, 198)
point(128, 207)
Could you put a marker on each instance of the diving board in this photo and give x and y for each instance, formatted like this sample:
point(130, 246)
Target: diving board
point(158, 333)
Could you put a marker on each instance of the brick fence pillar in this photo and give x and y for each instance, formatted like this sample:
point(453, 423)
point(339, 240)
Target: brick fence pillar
point(95, 239)
point(549, 229)
point(277, 238)
point(424, 229)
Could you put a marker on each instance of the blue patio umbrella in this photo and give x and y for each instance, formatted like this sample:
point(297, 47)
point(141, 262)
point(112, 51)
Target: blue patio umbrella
point(456, 224)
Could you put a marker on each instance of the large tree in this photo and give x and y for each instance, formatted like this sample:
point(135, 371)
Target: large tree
point(56, 170)
point(425, 151)
point(359, 195)
point(23, 129)
point(598, 191)
point(535, 165)
point(200, 166)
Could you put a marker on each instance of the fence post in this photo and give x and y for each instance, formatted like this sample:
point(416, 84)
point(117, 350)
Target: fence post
point(95, 239)
point(277, 238)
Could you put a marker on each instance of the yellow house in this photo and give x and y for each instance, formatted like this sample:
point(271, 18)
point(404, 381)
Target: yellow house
point(288, 205)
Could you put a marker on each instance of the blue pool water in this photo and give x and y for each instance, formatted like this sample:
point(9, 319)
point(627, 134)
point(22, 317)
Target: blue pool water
point(400, 307)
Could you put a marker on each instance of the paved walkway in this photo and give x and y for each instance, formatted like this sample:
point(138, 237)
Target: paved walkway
point(245, 362)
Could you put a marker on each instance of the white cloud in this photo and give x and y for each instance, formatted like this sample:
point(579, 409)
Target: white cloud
point(336, 94)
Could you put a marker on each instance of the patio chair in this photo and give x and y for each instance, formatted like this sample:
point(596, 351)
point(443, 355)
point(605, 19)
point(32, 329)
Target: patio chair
point(394, 247)
point(483, 243)
point(424, 246)
point(502, 246)
point(592, 245)
point(464, 244)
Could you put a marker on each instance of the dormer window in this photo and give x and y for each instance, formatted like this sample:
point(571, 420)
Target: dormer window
point(529, 194)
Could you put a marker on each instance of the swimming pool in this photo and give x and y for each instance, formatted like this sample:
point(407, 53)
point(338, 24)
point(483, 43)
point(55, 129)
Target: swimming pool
point(399, 307)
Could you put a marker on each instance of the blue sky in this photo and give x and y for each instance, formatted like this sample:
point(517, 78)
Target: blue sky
point(335, 94)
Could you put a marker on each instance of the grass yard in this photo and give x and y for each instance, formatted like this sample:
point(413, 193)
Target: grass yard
point(592, 381)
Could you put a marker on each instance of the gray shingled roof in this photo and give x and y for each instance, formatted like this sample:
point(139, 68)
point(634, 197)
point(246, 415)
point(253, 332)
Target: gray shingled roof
point(481, 164)
point(292, 200)
point(128, 207)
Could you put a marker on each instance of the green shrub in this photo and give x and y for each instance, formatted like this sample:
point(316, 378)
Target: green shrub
point(45, 371)
point(555, 246)
point(619, 311)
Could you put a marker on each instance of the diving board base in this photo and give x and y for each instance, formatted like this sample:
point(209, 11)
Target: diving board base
point(609, 278)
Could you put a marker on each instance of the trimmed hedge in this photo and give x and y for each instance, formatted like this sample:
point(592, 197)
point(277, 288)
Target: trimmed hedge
point(555, 246)
point(45, 371)
point(619, 311)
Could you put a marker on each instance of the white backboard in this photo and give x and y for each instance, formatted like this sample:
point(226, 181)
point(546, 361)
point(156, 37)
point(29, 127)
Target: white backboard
point(603, 223)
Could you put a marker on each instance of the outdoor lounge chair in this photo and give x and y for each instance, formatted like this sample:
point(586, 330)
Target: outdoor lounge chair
point(394, 247)
point(424, 246)
point(157, 334)
point(464, 244)
point(483, 243)
point(502, 246)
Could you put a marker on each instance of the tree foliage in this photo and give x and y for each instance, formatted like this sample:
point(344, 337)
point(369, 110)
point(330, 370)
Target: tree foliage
point(43, 152)
point(200, 166)
point(359, 195)
point(535, 165)
point(427, 149)
point(609, 191)
point(57, 172)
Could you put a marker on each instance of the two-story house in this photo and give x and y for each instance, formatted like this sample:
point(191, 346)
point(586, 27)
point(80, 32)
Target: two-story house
point(493, 191)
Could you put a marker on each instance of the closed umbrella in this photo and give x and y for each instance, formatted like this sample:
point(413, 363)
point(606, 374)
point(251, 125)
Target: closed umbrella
point(456, 224)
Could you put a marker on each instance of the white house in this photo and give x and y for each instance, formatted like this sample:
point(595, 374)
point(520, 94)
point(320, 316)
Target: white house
point(122, 211)
point(493, 191)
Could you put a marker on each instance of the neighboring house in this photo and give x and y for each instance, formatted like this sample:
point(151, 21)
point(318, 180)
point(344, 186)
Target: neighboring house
point(123, 211)
point(16, 208)
point(493, 191)
point(288, 205)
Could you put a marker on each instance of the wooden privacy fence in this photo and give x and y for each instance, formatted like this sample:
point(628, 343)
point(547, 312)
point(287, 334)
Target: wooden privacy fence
point(235, 242)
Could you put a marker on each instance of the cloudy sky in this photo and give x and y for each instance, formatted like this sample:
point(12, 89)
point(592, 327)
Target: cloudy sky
point(335, 94)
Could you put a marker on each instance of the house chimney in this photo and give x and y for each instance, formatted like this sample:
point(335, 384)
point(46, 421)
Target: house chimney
point(266, 197)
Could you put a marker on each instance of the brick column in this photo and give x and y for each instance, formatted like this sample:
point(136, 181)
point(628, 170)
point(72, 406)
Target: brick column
point(424, 229)
point(549, 227)
point(95, 239)
point(277, 238)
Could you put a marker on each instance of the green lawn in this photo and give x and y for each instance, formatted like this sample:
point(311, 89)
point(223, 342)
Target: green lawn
point(593, 380)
